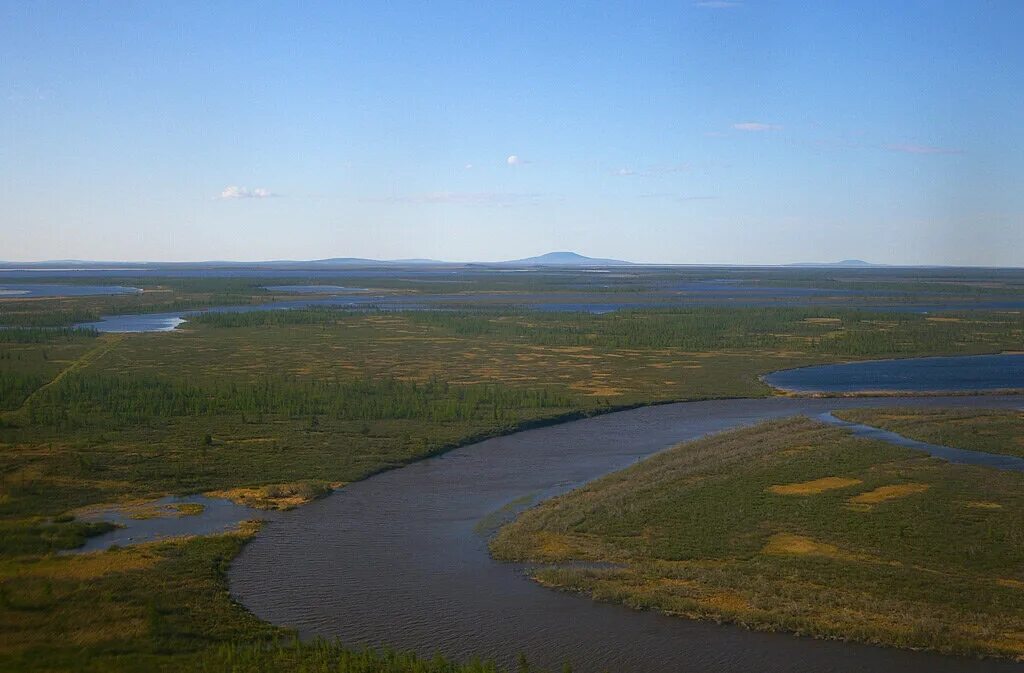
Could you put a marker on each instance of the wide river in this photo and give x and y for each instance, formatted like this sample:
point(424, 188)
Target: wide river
point(400, 559)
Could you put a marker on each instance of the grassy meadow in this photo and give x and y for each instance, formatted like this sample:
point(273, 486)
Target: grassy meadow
point(796, 526)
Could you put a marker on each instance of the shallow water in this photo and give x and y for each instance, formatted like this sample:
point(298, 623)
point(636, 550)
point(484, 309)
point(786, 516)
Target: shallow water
point(935, 374)
point(219, 515)
point(29, 290)
point(400, 560)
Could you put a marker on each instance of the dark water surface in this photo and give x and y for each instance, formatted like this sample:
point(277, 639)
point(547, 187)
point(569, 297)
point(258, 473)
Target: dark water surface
point(936, 374)
point(401, 559)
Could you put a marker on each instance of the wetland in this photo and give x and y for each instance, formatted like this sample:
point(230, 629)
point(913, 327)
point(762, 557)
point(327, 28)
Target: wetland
point(335, 439)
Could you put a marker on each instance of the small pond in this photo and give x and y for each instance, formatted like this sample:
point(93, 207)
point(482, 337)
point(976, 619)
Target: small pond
point(172, 516)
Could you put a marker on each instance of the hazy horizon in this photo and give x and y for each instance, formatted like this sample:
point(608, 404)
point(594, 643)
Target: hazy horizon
point(737, 132)
point(839, 263)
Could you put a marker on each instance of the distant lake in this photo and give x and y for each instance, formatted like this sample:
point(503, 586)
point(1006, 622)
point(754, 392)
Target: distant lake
point(313, 289)
point(936, 374)
point(141, 322)
point(54, 290)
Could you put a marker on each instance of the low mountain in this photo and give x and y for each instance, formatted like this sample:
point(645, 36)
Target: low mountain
point(845, 263)
point(564, 258)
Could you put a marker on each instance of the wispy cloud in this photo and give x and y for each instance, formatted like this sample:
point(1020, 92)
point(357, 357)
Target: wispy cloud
point(717, 4)
point(516, 160)
point(910, 148)
point(464, 199)
point(756, 127)
point(232, 192)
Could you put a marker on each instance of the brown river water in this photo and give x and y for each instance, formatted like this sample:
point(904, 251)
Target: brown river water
point(400, 559)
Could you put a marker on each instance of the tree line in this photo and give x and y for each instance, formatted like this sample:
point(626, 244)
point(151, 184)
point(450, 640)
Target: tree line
point(136, 398)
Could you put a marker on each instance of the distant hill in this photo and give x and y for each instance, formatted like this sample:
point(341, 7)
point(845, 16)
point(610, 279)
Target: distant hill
point(847, 263)
point(565, 258)
point(271, 264)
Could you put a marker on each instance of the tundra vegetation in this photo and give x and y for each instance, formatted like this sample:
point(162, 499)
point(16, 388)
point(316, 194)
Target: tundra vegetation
point(991, 431)
point(274, 408)
point(801, 527)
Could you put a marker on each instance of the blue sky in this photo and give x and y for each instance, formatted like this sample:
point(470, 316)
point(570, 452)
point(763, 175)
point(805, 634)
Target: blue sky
point(686, 132)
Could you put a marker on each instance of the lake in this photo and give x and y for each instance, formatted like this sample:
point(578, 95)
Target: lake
point(937, 374)
point(29, 290)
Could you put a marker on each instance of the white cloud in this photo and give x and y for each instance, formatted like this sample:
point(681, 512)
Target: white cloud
point(623, 172)
point(908, 148)
point(756, 126)
point(235, 192)
point(514, 160)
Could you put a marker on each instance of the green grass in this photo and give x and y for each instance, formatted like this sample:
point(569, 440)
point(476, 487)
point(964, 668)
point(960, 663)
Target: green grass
point(703, 531)
point(992, 431)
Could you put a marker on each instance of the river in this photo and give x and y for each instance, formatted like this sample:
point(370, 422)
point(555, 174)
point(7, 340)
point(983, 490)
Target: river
point(399, 559)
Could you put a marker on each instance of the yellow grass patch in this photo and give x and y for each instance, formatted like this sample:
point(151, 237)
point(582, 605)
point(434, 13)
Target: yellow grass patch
point(1010, 583)
point(674, 583)
point(725, 601)
point(891, 492)
point(189, 508)
point(788, 544)
point(595, 389)
point(553, 545)
point(983, 504)
point(151, 511)
point(813, 487)
point(273, 496)
point(84, 567)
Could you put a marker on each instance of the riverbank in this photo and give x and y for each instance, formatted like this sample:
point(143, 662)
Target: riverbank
point(793, 526)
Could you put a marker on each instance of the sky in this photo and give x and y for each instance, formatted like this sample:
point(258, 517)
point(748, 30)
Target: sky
point(747, 132)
